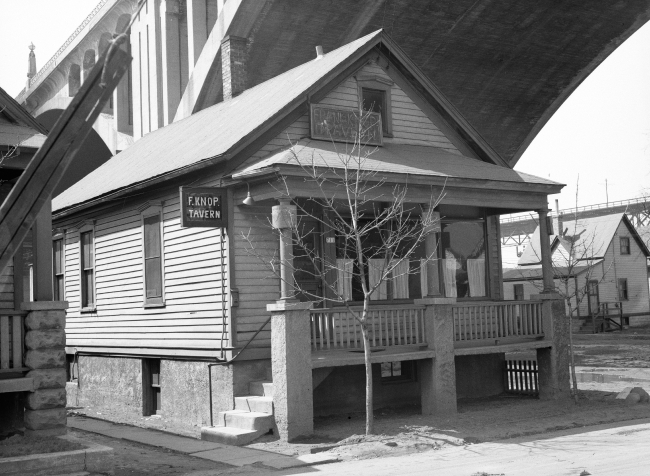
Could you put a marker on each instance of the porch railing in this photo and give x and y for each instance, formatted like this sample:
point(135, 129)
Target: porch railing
point(12, 340)
point(387, 326)
point(497, 320)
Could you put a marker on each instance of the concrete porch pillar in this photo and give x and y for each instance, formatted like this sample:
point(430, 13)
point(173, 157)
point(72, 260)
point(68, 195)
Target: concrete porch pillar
point(553, 362)
point(293, 395)
point(438, 375)
point(45, 413)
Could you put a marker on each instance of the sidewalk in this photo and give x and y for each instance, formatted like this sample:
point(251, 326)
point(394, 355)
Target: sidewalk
point(231, 455)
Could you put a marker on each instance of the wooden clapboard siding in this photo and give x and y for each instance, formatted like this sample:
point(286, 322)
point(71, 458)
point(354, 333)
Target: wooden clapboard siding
point(7, 288)
point(257, 287)
point(190, 323)
point(409, 124)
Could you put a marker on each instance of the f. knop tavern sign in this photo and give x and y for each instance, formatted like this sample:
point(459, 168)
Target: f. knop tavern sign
point(203, 207)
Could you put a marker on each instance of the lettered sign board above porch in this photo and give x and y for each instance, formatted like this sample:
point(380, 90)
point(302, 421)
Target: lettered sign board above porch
point(204, 207)
point(341, 124)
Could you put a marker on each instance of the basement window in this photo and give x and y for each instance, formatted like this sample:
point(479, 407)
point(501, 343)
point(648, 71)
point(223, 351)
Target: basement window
point(397, 371)
point(151, 394)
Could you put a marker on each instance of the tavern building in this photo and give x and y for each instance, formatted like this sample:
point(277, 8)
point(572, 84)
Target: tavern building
point(170, 314)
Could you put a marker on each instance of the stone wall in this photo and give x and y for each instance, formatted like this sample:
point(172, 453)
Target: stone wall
point(45, 413)
point(110, 383)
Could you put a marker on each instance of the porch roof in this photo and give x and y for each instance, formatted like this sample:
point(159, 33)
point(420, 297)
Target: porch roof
point(393, 158)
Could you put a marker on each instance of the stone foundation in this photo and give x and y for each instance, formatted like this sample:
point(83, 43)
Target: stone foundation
point(45, 413)
point(113, 386)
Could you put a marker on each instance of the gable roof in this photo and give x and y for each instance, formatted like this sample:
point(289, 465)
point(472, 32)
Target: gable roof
point(17, 126)
point(591, 238)
point(393, 158)
point(218, 133)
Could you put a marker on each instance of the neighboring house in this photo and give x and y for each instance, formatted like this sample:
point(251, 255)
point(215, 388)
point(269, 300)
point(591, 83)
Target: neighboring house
point(152, 302)
point(596, 261)
point(20, 138)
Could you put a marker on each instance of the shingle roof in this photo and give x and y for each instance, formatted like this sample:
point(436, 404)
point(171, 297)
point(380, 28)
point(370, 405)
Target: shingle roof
point(395, 158)
point(214, 132)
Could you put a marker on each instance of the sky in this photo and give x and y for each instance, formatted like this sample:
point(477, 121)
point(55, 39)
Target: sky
point(598, 141)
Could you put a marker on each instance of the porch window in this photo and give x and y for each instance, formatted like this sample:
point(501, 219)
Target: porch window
point(403, 283)
point(57, 267)
point(87, 271)
point(463, 258)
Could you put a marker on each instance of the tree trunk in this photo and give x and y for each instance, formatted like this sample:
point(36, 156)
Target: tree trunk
point(370, 421)
point(572, 364)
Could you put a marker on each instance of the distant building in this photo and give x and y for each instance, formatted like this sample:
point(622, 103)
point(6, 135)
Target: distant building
point(597, 261)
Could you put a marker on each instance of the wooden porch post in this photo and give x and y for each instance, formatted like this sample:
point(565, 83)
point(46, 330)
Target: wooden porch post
point(431, 250)
point(42, 246)
point(545, 249)
point(283, 219)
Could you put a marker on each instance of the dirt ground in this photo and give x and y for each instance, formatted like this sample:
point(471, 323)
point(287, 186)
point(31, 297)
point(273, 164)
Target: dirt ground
point(605, 365)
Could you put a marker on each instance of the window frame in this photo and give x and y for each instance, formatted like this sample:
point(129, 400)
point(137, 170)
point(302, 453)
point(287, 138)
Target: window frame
point(153, 209)
point(87, 228)
point(378, 83)
point(58, 236)
point(623, 289)
point(408, 372)
point(626, 247)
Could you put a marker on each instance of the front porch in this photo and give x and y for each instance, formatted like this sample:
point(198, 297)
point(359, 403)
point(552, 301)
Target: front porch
point(399, 332)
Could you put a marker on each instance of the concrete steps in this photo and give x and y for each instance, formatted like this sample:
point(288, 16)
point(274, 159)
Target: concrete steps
point(251, 418)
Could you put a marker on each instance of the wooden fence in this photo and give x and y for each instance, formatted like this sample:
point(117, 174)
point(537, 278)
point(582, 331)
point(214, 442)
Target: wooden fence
point(521, 377)
point(12, 341)
point(387, 326)
point(496, 320)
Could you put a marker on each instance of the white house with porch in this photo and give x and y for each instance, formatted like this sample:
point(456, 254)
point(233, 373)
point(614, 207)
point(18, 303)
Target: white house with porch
point(170, 314)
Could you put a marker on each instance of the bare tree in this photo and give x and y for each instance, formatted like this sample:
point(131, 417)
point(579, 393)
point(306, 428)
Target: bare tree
point(377, 233)
point(576, 262)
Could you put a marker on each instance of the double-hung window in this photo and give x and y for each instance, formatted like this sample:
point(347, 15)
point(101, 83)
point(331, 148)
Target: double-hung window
point(58, 269)
point(625, 245)
point(87, 270)
point(622, 289)
point(153, 259)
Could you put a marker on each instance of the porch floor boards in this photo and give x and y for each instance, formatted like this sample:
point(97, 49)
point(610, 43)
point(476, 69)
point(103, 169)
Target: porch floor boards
point(475, 347)
point(341, 357)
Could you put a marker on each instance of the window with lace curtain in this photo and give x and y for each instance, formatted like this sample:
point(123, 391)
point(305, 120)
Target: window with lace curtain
point(403, 282)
